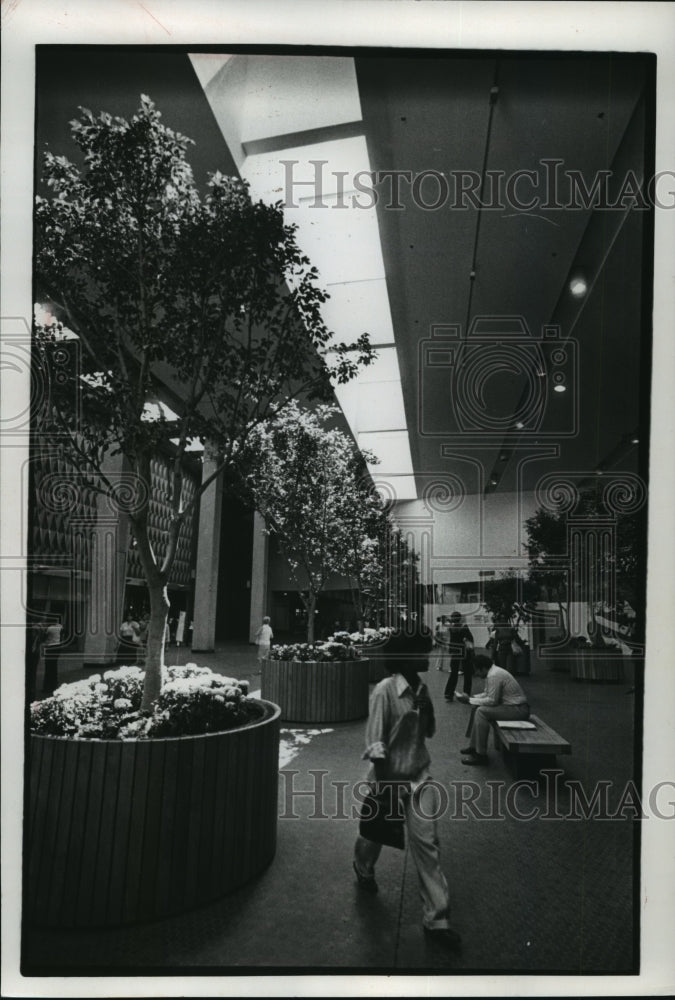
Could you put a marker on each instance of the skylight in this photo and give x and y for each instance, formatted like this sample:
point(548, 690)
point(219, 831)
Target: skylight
point(294, 150)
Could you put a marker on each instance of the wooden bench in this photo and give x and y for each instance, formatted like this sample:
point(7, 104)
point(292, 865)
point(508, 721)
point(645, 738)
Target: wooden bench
point(534, 747)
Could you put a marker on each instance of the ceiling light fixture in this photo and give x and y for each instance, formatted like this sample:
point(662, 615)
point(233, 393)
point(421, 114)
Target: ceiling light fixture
point(578, 285)
point(560, 388)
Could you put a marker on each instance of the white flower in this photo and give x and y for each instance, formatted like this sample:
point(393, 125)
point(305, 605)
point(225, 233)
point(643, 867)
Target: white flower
point(122, 704)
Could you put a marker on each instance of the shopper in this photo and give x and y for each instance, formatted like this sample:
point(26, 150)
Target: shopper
point(503, 698)
point(51, 653)
point(127, 651)
point(440, 657)
point(460, 639)
point(401, 718)
point(263, 638)
point(502, 637)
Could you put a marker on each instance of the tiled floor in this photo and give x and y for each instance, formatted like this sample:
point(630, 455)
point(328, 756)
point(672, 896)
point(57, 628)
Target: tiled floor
point(551, 893)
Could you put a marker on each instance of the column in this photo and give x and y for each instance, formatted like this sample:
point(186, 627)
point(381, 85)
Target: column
point(259, 572)
point(208, 559)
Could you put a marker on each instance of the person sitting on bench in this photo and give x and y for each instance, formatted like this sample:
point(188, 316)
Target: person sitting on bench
point(503, 698)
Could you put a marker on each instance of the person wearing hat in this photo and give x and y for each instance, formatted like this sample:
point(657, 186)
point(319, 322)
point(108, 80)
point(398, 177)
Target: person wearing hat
point(401, 718)
point(503, 698)
point(460, 641)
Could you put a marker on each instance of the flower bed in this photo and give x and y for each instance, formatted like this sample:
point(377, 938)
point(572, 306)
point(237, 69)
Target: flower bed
point(371, 636)
point(149, 822)
point(193, 700)
point(336, 648)
point(370, 639)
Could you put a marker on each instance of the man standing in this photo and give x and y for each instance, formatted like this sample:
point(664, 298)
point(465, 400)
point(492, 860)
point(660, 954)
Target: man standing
point(401, 718)
point(460, 638)
point(503, 698)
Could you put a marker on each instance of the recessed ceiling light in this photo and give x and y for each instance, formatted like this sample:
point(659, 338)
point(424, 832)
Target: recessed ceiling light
point(635, 440)
point(520, 425)
point(560, 388)
point(578, 285)
point(493, 482)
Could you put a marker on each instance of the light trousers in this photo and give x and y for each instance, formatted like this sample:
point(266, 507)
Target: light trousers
point(420, 809)
point(486, 715)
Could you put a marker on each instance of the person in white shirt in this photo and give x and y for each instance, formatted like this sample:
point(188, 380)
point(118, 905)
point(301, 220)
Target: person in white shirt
point(503, 698)
point(401, 718)
point(263, 638)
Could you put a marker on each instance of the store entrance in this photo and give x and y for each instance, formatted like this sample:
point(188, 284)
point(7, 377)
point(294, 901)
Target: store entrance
point(234, 571)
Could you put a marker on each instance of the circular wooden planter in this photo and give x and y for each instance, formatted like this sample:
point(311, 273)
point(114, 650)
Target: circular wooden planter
point(600, 667)
point(315, 691)
point(122, 831)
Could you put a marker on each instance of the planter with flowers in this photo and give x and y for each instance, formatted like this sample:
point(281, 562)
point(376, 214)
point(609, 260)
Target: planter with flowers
point(317, 682)
point(136, 815)
point(367, 642)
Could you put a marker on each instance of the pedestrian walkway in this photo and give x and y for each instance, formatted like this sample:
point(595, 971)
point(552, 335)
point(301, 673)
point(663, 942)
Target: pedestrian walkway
point(529, 894)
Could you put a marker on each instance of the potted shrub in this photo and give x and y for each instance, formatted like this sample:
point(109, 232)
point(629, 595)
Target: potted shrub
point(604, 583)
point(134, 815)
point(317, 682)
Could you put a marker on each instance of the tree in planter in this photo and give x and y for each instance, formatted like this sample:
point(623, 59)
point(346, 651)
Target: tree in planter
point(402, 577)
point(303, 479)
point(205, 296)
point(367, 533)
point(546, 546)
point(506, 598)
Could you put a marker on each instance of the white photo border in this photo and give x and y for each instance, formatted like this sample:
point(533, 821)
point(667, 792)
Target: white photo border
point(566, 26)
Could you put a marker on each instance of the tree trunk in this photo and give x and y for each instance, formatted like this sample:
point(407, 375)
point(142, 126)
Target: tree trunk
point(156, 580)
point(358, 611)
point(311, 606)
point(154, 652)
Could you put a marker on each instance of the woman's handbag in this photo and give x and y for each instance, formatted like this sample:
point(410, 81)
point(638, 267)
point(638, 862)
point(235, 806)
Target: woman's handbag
point(382, 818)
